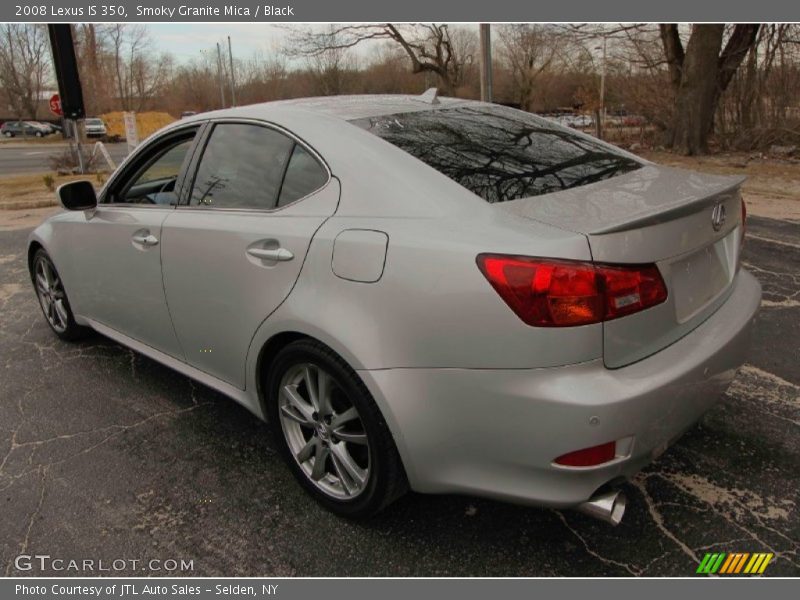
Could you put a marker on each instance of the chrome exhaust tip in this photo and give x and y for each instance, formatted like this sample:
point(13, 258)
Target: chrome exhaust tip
point(607, 506)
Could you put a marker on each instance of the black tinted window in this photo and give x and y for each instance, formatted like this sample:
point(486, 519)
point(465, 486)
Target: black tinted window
point(500, 153)
point(303, 176)
point(242, 167)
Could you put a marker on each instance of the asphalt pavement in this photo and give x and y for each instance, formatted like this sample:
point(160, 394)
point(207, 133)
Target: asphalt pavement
point(19, 157)
point(105, 454)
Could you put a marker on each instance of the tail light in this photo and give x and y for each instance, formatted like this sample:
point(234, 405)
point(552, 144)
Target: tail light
point(550, 293)
point(589, 457)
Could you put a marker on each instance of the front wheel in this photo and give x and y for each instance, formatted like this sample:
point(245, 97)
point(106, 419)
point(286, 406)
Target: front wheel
point(53, 298)
point(330, 431)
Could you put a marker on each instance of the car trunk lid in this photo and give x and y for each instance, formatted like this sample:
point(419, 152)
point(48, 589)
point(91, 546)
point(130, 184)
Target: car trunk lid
point(687, 223)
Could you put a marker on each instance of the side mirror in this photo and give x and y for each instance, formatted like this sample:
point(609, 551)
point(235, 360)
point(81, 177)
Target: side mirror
point(77, 195)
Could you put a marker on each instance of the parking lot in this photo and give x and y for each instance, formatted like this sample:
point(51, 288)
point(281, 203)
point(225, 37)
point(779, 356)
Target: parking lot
point(107, 455)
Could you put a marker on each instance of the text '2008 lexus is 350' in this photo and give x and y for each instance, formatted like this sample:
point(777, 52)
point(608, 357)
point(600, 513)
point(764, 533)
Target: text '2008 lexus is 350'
point(417, 292)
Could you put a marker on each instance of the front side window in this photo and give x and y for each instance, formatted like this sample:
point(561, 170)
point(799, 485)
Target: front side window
point(499, 153)
point(242, 167)
point(155, 178)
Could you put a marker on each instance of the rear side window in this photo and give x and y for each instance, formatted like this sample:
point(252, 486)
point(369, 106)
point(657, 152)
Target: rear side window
point(242, 167)
point(304, 175)
point(499, 153)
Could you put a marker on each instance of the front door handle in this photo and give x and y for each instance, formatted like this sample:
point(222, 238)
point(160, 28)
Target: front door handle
point(145, 240)
point(278, 254)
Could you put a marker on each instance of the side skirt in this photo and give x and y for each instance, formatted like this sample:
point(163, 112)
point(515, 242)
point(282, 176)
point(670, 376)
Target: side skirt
point(240, 396)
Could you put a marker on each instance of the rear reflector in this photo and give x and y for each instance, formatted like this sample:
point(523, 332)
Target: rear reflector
point(550, 293)
point(589, 457)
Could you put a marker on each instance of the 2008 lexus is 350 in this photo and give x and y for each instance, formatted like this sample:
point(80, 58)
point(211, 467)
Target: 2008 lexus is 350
point(417, 293)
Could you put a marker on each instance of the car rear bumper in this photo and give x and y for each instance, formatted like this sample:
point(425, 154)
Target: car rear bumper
point(496, 432)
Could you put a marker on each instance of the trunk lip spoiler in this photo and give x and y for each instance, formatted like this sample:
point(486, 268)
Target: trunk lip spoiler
point(716, 185)
point(687, 207)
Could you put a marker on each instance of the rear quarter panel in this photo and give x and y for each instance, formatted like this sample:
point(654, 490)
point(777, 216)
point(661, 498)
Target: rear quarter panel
point(431, 307)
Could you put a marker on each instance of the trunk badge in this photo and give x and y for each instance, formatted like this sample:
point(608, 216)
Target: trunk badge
point(718, 216)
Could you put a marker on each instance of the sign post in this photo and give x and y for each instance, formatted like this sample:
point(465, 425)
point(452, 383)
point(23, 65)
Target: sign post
point(131, 132)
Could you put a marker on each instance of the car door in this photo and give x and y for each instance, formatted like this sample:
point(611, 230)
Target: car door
point(116, 248)
point(233, 252)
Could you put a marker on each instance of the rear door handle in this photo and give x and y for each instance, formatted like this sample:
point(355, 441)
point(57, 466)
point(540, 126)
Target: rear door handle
point(146, 240)
point(278, 254)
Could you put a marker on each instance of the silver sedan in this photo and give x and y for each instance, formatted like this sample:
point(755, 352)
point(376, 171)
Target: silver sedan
point(417, 292)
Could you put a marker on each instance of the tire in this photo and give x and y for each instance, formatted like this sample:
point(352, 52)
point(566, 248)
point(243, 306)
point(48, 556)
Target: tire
point(376, 461)
point(8, 134)
point(53, 299)
point(39, 134)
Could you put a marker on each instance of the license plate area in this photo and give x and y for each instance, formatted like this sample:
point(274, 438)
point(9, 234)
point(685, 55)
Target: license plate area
point(698, 279)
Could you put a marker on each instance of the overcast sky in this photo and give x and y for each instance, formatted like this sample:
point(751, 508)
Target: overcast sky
point(185, 40)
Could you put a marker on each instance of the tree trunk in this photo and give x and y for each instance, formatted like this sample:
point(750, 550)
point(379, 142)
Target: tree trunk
point(697, 97)
point(673, 50)
point(704, 76)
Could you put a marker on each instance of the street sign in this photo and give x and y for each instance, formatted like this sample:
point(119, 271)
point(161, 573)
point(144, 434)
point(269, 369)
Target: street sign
point(66, 68)
point(55, 105)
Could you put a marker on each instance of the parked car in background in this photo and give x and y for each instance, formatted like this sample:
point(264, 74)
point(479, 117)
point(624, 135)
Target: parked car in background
point(23, 129)
point(451, 297)
point(95, 127)
point(188, 113)
point(51, 127)
point(574, 121)
point(634, 121)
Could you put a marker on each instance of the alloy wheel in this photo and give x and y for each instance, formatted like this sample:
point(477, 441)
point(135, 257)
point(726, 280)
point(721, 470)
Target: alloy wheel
point(324, 431)
point(51, 295)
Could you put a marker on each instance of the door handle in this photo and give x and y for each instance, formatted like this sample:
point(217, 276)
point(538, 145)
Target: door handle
point(145, 240)
point(278, 254)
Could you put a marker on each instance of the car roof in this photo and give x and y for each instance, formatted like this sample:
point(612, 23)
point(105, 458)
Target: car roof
point(347, 108)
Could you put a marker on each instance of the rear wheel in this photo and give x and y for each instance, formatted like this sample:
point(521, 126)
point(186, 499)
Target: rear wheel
point(53, 298)
point(330, 431)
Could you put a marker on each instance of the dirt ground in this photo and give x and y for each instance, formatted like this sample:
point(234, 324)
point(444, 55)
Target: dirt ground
point(772, 188)
point(30, 190)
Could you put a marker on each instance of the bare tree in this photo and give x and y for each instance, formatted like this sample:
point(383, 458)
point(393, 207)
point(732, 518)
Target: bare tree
point(429, 47)
point(24, 66)
point(330, 65)
point(138, 71)
point(699, 74)
point(529, 50)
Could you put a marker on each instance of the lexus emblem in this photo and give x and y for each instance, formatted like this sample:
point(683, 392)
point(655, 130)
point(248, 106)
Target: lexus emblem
point(718, 216)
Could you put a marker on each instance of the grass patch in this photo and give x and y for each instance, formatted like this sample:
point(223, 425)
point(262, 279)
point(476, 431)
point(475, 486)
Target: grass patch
point(31, 191)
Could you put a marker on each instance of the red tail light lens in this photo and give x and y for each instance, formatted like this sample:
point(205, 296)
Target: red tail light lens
point(589, 457)
point(549, 293)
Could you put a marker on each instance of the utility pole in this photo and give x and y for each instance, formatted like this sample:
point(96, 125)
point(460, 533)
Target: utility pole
point(601, 120)
point(486, 62)
point(233, 76)
point(219, 77)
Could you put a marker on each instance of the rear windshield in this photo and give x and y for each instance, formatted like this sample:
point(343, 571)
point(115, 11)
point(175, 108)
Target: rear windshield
point(500, 153)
